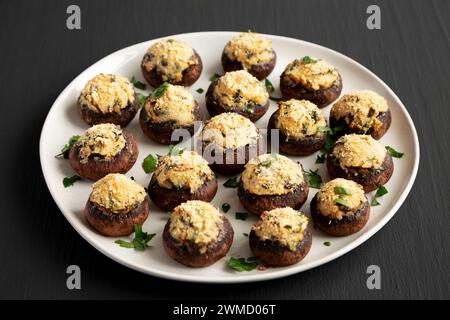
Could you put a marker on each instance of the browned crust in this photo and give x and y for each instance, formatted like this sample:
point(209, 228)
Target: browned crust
point(168, 199)
point(277, 255)
point(257, 204)
point(161, 132)
point(302, 147)
point(187, 253)
point(122, 119)
point(384, 117)
point(259, 71)
point(190, 74)
point(321, 97)
point(370, 179)
point(215, 108)
point(116, 224)
point(97, 169)
point(348, 225)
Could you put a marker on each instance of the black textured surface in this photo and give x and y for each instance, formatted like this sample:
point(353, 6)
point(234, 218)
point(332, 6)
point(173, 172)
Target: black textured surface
point(39, 57)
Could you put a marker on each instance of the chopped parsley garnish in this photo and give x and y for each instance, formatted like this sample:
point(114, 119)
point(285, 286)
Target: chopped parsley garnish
point(327, 243)
point(66, 149)
point(175, 151)
point(231, 183)
point(341, 190)
point(142, 98)
point(314, 178)
point(149, 163)
point(331, 137)
point(275, 98)
point(250, 108)
point(394, 153)
point(381, 191)
point(200, 90)
point(140, 241)
point(342, 202)
point(245, 234)
point(243, 264)
point(324, 128)
point(226, 207)
point(137, 83)
point(269, 86)
point(321, 158)
point(69, 181)
point(241, 215)
point(308, 59)
point(215, 76)
point(158, 92)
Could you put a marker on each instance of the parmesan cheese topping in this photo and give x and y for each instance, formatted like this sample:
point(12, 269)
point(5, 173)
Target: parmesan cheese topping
point(107, 93)
point(362, 151)
point(229, 131)
point(271, 174)
point(329, 193)
point(197, 222)
point(170, 58)
point(299, 119)
point(249, 49)
point(240, 91)
point(314, 75)
point(117, 193)
point(285, 225)
point(188, 170)
point(102, 141)
point(176, 104)
point(360, 109)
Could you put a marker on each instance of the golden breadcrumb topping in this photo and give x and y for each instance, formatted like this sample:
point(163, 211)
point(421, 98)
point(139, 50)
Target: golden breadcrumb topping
point(117, 193)
point(170, 58)
point(249, 49)
point(283, 225)
point(271, 174)
point(101, 142)
point(107, 93)
point(187, 170)
point(240, 91)
point(198, 222)
point(340, 197)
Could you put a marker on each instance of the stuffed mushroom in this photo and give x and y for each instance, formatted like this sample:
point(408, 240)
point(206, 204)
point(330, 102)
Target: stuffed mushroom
point(108, 98)
point(301, 127)
point(197, 234)
point(166, 114)
point(361, 112)
point(229, 140)
point(240, 92)
point(171, 61)
point(251, 52)
point(272, 181)
point(115, 205)
point(311, 79)
point(281, 237)
point(362, 159)
point(340, 208)
point(182, 177)
point(102, 149)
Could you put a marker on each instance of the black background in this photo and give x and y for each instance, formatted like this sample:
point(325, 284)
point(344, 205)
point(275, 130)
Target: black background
point(39, 56)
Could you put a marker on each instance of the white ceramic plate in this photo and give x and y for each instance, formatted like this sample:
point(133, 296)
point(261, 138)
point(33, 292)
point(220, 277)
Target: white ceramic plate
point(63, 121)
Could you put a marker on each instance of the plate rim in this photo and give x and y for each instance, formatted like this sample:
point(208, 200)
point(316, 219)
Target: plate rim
point(250, 277)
